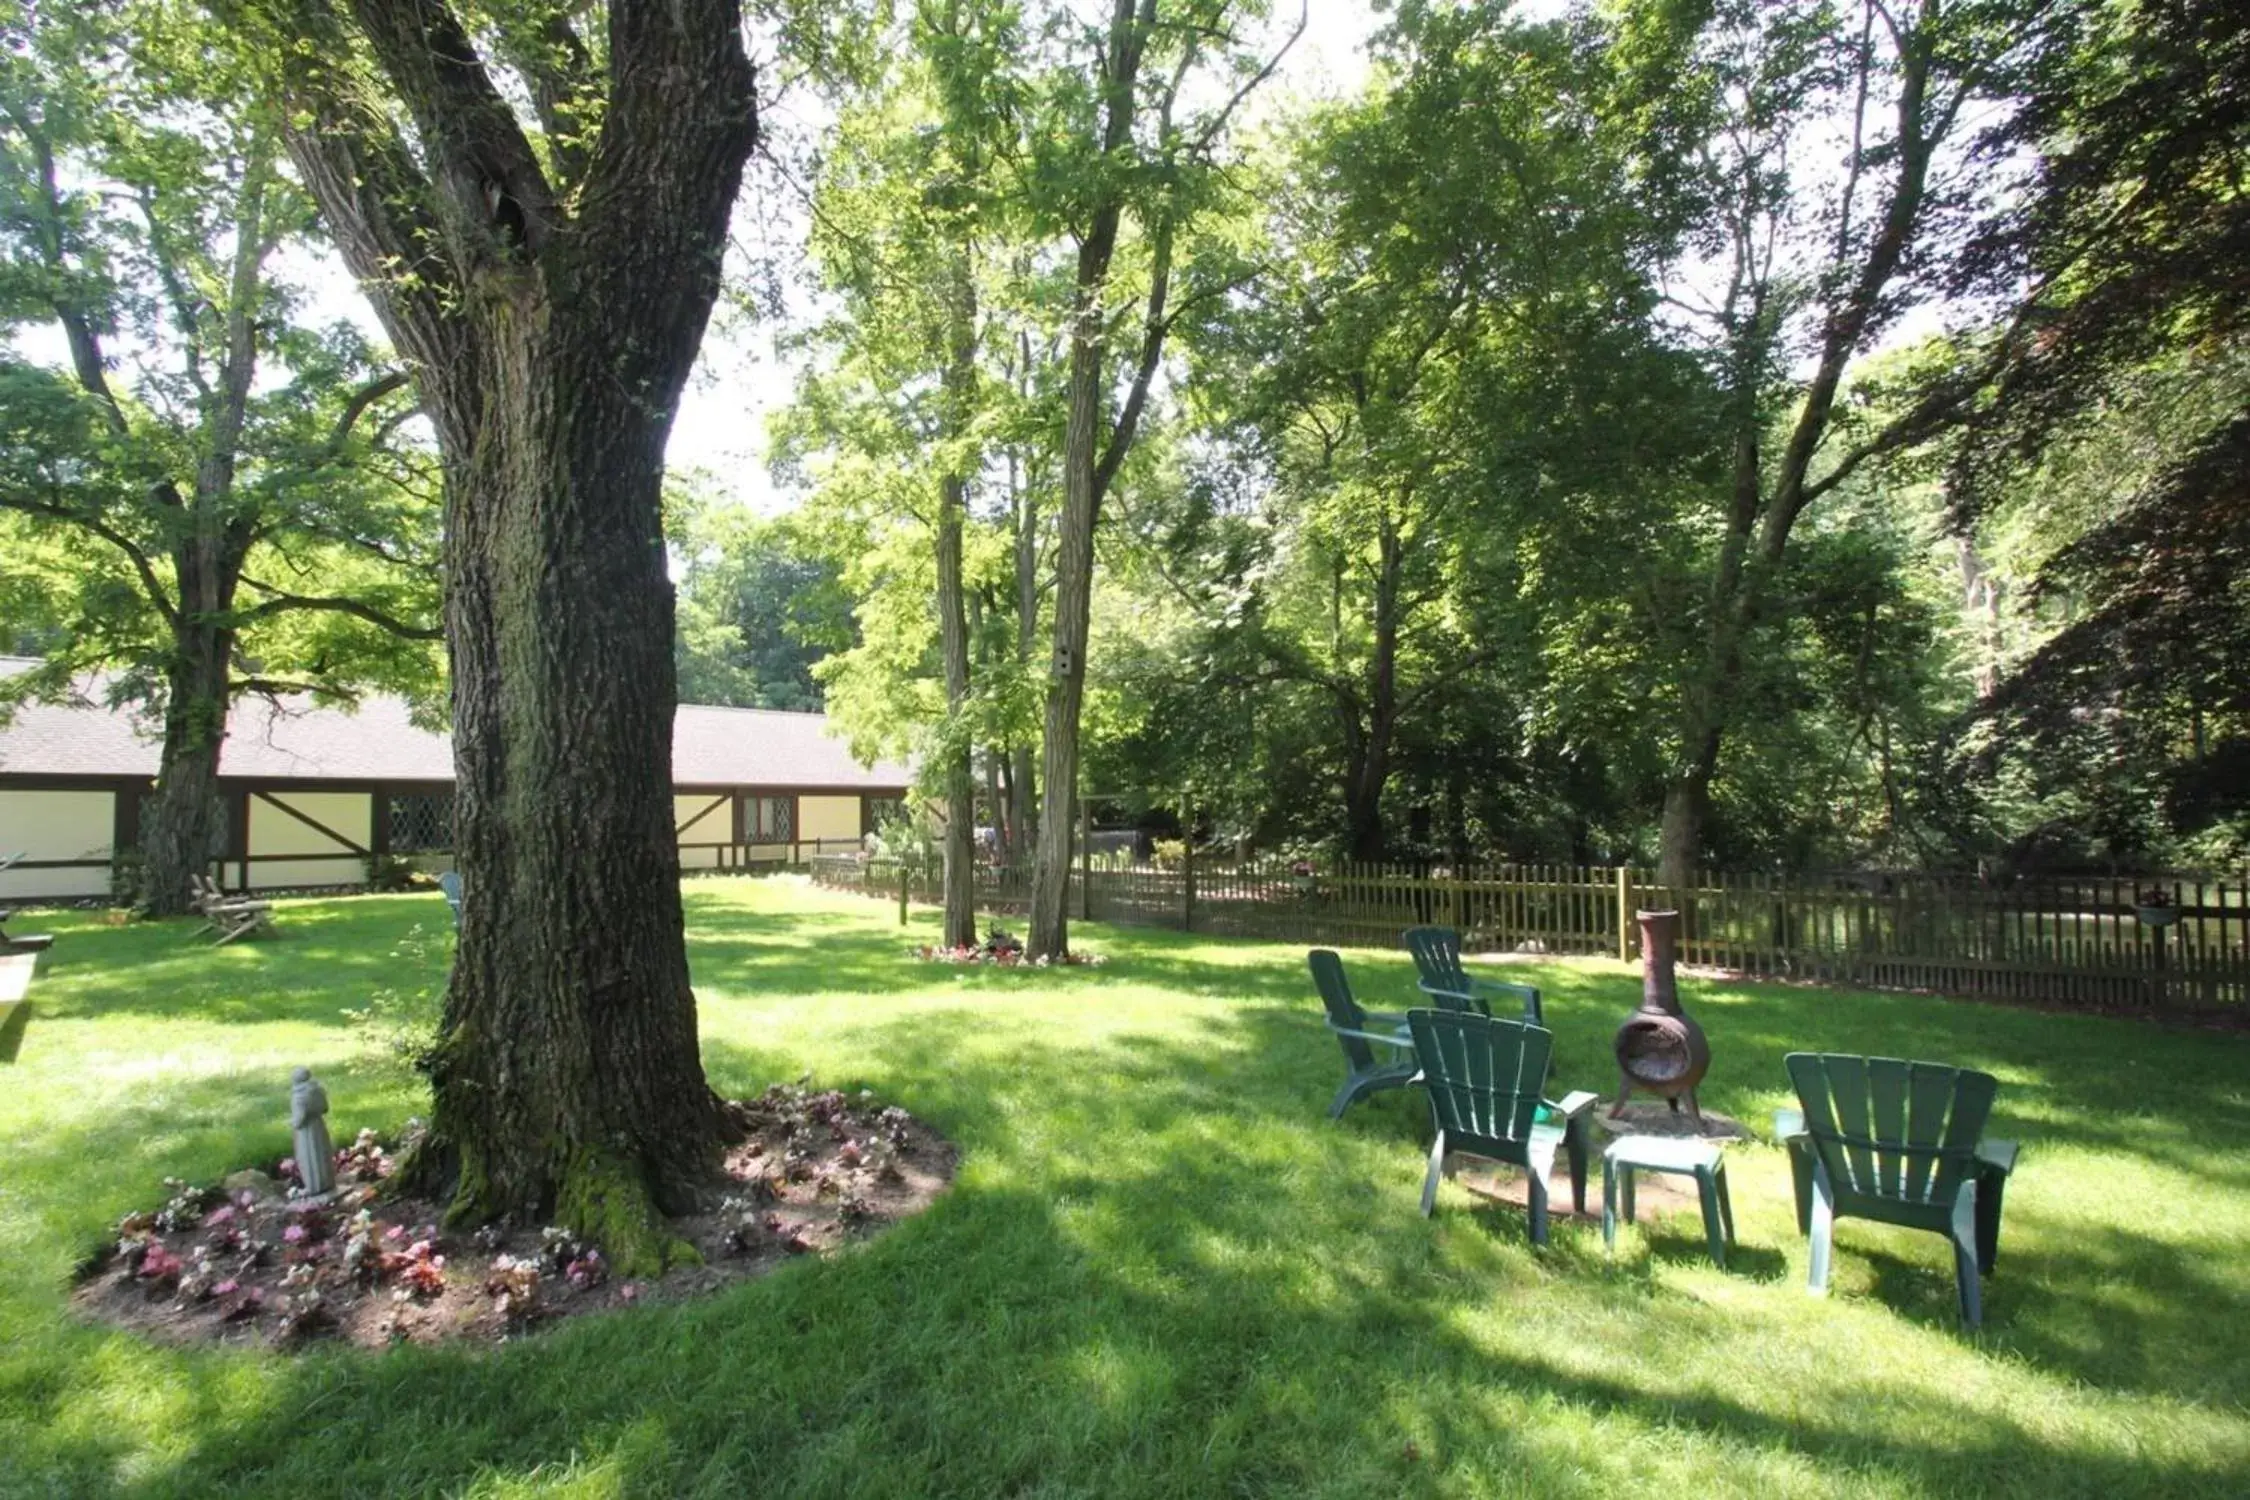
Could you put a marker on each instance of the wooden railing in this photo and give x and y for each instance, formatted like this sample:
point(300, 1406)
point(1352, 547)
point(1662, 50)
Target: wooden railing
point(2076, 940)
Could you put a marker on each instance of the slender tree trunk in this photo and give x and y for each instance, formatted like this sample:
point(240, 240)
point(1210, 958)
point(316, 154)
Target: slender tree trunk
point(1066, 687)
point(1088, 467)
point(1368, 753)
point(960, 776)
point(1023, 817)
point(1687, 799)
point(1764, 509)
point(959, 385)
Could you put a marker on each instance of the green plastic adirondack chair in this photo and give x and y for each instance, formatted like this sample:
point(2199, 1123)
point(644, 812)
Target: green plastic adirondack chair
point(1360, 1032)
point(1484, 1078)
point(1900, 1143)
point(1437, 955)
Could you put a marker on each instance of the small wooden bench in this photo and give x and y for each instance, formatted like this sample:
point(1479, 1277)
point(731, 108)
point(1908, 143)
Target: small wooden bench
point(226, 917)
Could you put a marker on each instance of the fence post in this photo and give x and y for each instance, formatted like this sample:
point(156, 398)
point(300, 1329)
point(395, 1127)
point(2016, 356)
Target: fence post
point(1187, 884)
point(1624, 915)
point(903, 877)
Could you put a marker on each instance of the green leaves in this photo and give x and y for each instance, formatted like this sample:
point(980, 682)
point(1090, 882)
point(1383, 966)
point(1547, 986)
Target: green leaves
point(203, 457)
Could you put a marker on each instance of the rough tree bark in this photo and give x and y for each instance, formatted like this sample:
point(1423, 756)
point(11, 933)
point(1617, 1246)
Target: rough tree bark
point(551, 312)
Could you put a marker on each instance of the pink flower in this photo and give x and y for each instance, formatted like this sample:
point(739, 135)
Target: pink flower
point(293, 1233)
point(224, 1213)
point(287, 1166)
point(395, 1232)
point(226, 1288)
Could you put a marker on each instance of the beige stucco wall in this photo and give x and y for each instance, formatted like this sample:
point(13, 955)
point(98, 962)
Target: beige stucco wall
point(272, 831)
point(698, 826)
point(56, 825)
point(827, 818)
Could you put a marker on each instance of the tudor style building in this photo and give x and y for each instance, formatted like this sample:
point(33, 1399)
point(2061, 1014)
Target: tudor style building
point(315, 796)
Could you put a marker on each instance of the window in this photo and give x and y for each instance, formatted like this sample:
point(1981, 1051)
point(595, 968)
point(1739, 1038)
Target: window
point(421, 822)
point(885, 810)
point(145, 808)
point(769, 820)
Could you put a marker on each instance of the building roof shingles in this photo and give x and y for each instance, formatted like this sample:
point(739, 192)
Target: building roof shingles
point(377, 741)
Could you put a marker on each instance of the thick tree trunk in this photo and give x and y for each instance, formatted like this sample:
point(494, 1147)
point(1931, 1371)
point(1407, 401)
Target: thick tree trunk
point(185, 821)
point(1680, 834)
point(568, 1083)
point(551, 325)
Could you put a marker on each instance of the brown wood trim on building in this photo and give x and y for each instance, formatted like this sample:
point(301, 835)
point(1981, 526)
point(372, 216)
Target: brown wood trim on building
point(709, 808)
point(238, 835)
point(314, 824)
point(125, 819)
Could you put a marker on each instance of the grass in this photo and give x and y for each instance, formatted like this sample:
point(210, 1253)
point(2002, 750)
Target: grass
point(1162, 1272)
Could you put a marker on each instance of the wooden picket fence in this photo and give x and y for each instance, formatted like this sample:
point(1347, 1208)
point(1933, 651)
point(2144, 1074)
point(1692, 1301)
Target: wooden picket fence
point(2076, 940)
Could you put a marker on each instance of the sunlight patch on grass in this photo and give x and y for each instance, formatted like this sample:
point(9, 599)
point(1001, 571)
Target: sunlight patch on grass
point(1161, 1270)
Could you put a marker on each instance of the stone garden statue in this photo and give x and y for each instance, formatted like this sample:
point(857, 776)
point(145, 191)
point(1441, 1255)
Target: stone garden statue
point(316, 1156)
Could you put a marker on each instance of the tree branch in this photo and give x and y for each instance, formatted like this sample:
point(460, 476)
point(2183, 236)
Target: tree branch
point(279, 602)
point(150, 582)
point(477, 149)
point(376, 201)
point(1152, 354)
point(565, 88)
point(356, 407)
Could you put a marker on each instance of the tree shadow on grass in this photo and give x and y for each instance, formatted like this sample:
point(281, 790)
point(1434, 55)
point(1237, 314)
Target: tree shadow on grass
point(1163, 1271)
point(322, 958)
point(1160, 1273)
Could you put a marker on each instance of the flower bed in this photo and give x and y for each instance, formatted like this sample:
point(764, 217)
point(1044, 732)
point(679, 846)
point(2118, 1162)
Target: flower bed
point(1003, 950)
point(253, 1259)
point(1011, 959)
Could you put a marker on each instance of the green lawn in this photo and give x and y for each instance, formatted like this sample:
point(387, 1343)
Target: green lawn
point(1162, 1271)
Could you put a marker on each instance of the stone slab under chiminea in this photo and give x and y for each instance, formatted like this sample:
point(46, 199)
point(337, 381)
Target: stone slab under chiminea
point(1660, 1049)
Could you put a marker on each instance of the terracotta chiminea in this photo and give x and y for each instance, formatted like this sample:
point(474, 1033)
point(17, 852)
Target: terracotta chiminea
point(1660, 1048)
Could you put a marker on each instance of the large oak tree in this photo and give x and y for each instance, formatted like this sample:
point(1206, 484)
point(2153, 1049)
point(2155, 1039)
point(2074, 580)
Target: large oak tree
point(203, 494)
point(548, 281)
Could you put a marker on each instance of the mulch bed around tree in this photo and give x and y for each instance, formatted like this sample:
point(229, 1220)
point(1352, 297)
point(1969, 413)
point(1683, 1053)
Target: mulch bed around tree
point(244, 1261)
point(1001, 949)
